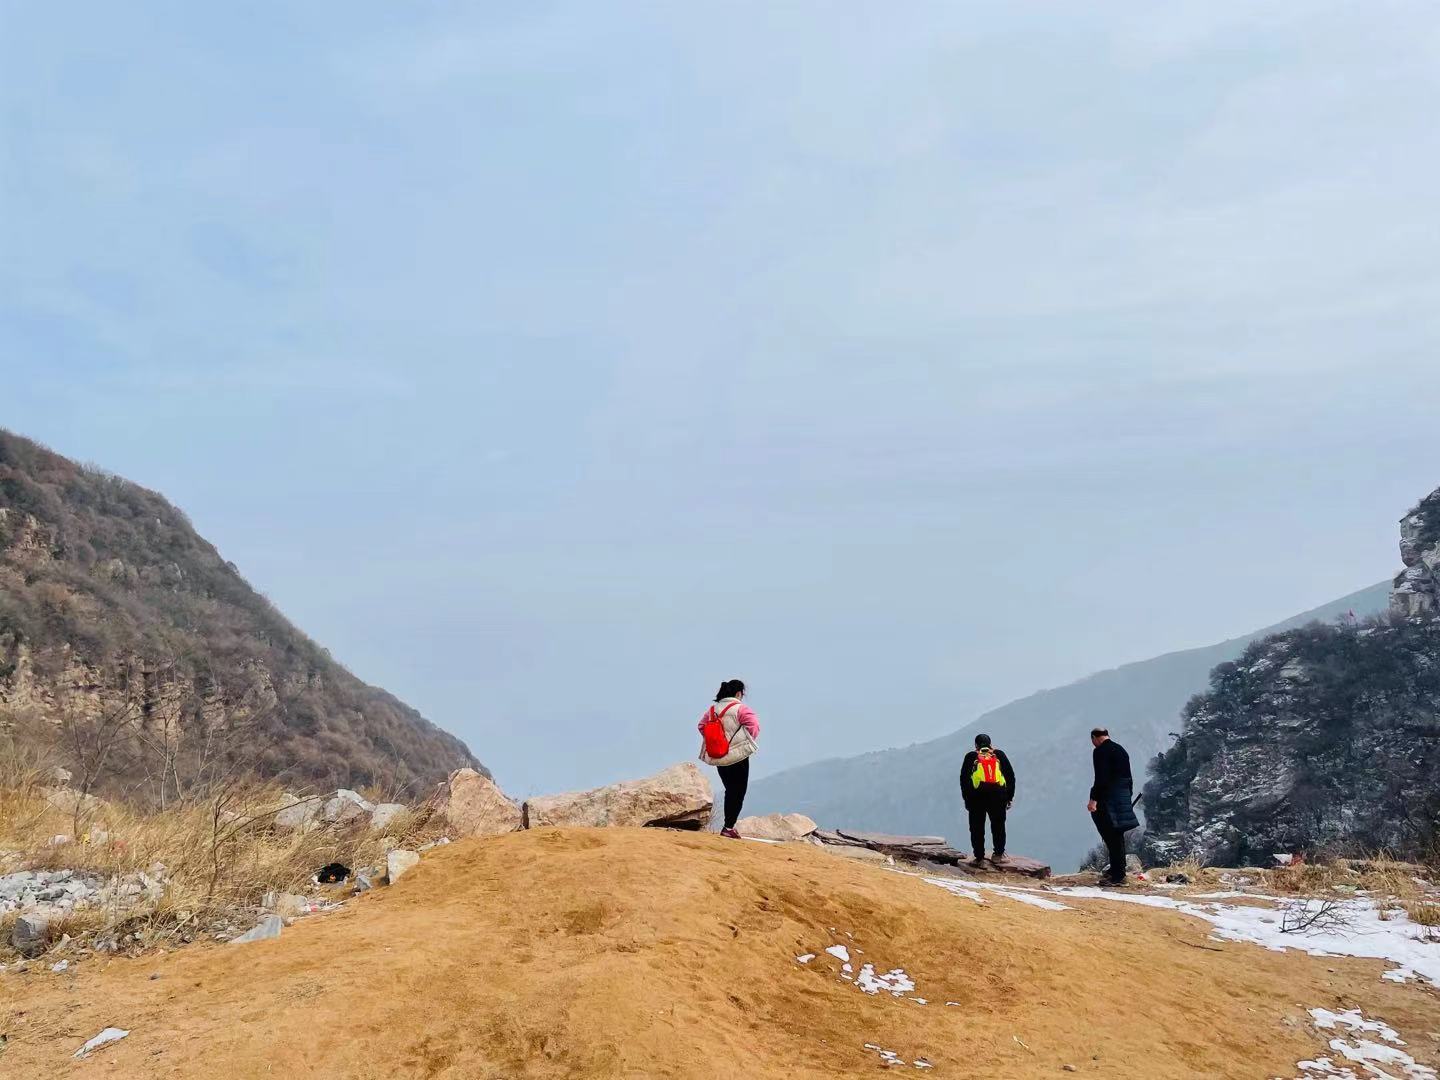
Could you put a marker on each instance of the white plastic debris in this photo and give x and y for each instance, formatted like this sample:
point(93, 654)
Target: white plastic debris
point(105, 1038)
point(268, 927)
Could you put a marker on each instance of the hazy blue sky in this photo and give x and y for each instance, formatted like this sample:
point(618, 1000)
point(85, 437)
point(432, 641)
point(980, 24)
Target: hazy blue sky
point(551, 362)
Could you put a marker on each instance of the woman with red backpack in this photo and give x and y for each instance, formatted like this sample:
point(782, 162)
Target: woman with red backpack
point(728, 732)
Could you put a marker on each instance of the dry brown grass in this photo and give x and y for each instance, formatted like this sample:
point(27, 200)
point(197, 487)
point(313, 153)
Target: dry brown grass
point(1379, 876)
point(216, 857)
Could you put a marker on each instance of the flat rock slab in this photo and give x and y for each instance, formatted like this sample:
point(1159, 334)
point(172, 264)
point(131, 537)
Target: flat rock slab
point(1013, 864)
point(887, 841)
point(834, 839)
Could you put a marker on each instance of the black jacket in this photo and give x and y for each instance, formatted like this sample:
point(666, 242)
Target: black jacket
point(1113, 787)
point(967, 790)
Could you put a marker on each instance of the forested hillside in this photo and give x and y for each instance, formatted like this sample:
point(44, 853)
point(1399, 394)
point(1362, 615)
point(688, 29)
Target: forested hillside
point(1321, 740)
point(132, 652)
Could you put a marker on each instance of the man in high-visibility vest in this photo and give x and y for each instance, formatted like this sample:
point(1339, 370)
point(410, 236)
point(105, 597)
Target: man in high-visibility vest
point(987, 784)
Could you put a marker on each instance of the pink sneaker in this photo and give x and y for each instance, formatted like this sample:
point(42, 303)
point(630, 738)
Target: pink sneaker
point(731, 833)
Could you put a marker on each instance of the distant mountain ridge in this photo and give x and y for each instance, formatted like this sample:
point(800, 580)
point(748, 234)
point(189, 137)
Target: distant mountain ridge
point(129, 645)
point(915, 789)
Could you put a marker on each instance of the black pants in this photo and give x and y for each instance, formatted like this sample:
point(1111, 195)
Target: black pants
point(980, 809)
point(1114, 842)
point(736, 779)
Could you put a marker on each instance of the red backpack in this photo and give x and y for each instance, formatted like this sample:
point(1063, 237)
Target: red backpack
point(717, 743)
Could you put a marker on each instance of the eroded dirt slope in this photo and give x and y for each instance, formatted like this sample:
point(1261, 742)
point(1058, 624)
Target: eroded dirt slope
point(648, 953)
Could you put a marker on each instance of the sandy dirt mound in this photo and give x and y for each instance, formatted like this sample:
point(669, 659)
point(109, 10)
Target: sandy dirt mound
point(629, 952)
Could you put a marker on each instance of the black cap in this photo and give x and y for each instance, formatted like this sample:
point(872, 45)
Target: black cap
point(981, 740)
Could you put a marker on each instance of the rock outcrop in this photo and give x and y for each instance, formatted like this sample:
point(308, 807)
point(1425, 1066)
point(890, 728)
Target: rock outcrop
point(1322, 739)
point(678, 797)
point(475, 806)
point(1417, 587)
point(776, 827)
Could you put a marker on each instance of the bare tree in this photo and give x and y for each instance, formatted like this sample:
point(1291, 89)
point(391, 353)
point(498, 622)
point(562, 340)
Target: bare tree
point(92, 740)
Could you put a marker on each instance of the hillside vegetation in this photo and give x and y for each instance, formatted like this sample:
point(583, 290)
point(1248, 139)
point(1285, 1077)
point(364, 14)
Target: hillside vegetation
point(1324, 739)
point(135, 656)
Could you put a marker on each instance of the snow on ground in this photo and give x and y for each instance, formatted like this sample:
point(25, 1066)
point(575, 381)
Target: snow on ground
point(951, 885)
point(894, 982)
point(1380, 1060)
point(1358, 930)
point(890, 1057)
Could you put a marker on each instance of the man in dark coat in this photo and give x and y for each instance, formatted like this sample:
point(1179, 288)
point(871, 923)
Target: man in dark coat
point(1111, 798)
point(987, 784)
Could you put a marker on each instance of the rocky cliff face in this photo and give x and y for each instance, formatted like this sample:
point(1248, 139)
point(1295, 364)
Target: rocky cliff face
point(1325, 738)
point(134, 653)
point(1417, 587)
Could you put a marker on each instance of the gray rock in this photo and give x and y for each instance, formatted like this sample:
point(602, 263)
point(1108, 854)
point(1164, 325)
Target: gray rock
point(346, 806)
point(267, 928)
point(298, 813)
point(287, 905)
point(398, 862)
point(30, 935)
point(385, 813)
point(1133, 865)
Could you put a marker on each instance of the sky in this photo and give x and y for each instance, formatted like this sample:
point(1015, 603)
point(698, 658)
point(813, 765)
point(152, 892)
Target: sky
point(550, 363)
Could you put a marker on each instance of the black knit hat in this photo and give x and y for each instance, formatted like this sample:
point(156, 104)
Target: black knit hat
point(981, 740)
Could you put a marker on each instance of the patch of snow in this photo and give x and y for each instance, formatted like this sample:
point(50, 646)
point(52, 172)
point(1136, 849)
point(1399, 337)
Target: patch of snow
point(759, 840)
point(805, 958)
point(1362, 932)
point(1370, 1056)
point(1032, 897)
point(894, 982)
point(840, 953)
point(1352, 1019)
point(890, 1057)
point(959, 888)
point(1398, 975)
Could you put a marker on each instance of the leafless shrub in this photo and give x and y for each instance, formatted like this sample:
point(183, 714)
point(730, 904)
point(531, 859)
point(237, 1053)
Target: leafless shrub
point(1314, 915)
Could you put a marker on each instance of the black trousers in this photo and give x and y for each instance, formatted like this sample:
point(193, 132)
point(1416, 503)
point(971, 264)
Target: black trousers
point(1114, 842)
point(980, 809)
point(736, 779)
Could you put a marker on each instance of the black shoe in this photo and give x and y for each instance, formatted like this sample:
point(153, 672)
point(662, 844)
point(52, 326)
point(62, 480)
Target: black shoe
point(998, 858)
point(1111, 883)
point(978, 861)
